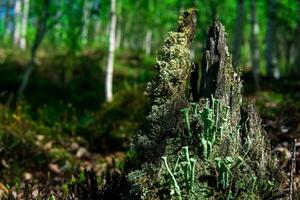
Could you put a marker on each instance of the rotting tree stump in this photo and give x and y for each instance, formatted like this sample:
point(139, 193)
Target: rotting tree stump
point(209, 147)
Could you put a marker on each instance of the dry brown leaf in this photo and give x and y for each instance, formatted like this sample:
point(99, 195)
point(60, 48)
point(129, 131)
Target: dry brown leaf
point(54, 168)
point(27, 176)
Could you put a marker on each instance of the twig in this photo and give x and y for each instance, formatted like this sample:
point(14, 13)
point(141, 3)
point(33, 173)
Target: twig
point(293, 169)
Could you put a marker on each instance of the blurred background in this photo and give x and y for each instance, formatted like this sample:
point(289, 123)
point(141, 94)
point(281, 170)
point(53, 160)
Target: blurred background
point(73, 74)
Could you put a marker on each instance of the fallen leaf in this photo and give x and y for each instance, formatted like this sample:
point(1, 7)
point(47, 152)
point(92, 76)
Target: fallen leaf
point(4, 163)
point(82, 152)
point(54, 168)
point(74, 146)
point(27, 176)
point(47, 146)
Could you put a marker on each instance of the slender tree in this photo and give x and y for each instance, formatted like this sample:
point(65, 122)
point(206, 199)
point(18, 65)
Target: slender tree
point(239, 30)
point(86, 21)
point(271, 59)
point(148, 42)
point(150, 22)
point(25, 14)
point(43, 25)
point(297, 54)
point(7, 18)
point(118, 36)
point(110, 63)
point(254, 51)
point(17, 16)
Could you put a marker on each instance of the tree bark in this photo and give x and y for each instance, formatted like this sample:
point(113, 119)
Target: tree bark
point(86, 21)
point(110, 63)
point(25, 14)
point(219, 78)
point(239, 30)
point(17, 16)
point(254, 51)
point(271, 59)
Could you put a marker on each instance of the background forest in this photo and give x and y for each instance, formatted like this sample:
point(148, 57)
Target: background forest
point(73, 75)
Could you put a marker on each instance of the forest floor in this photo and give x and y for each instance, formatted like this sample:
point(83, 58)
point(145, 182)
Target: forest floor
point(62, 126)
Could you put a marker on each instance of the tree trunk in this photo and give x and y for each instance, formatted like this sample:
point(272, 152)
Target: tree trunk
point(148, 42)
point(37, 41)
point(17, 15)
point(86, 21)
point(175, 125)
point(97, 30)
point(118, 36)
point(254, 51)
point(271, 59)
point(297, 53)
point(239, 30)
point(110, 63)
point(25, 14)
point(7, 18)
point(40, 33)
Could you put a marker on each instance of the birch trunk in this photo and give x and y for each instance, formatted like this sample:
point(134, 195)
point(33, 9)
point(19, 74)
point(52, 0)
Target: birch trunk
point(148, 42)
point(109, 68)
point(118, 37)
point(254, 51)
point(239, 29)
point(86, 21)
point(271, 60)
point(17, 15)
point(97, 29)
point(7, 18)
point(25, 13)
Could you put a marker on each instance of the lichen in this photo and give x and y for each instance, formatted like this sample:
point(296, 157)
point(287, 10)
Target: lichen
point(166, 93)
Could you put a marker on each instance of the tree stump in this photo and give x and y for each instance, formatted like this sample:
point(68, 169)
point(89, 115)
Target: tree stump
point(211, 148)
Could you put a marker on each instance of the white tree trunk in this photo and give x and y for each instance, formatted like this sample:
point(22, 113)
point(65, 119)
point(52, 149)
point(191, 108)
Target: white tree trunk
point(26, 4)
point(254, 51)
point(118, 37)
point(97, 29)
point(148, 42)
point(17, 15)
point(86, 21)
point(110, 64)
point(7, 18)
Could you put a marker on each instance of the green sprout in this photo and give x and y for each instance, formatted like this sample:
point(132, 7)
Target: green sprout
point(215, 118)
point(253, 178)
point(189, 169)
point(185, 112)
point(176, 187)
point(187, 166)
point(224, 167)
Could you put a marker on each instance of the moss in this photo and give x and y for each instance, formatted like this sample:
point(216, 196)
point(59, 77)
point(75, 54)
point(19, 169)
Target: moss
point(173, 66)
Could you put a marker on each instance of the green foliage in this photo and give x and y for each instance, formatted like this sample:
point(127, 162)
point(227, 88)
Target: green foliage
point(224, 167)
